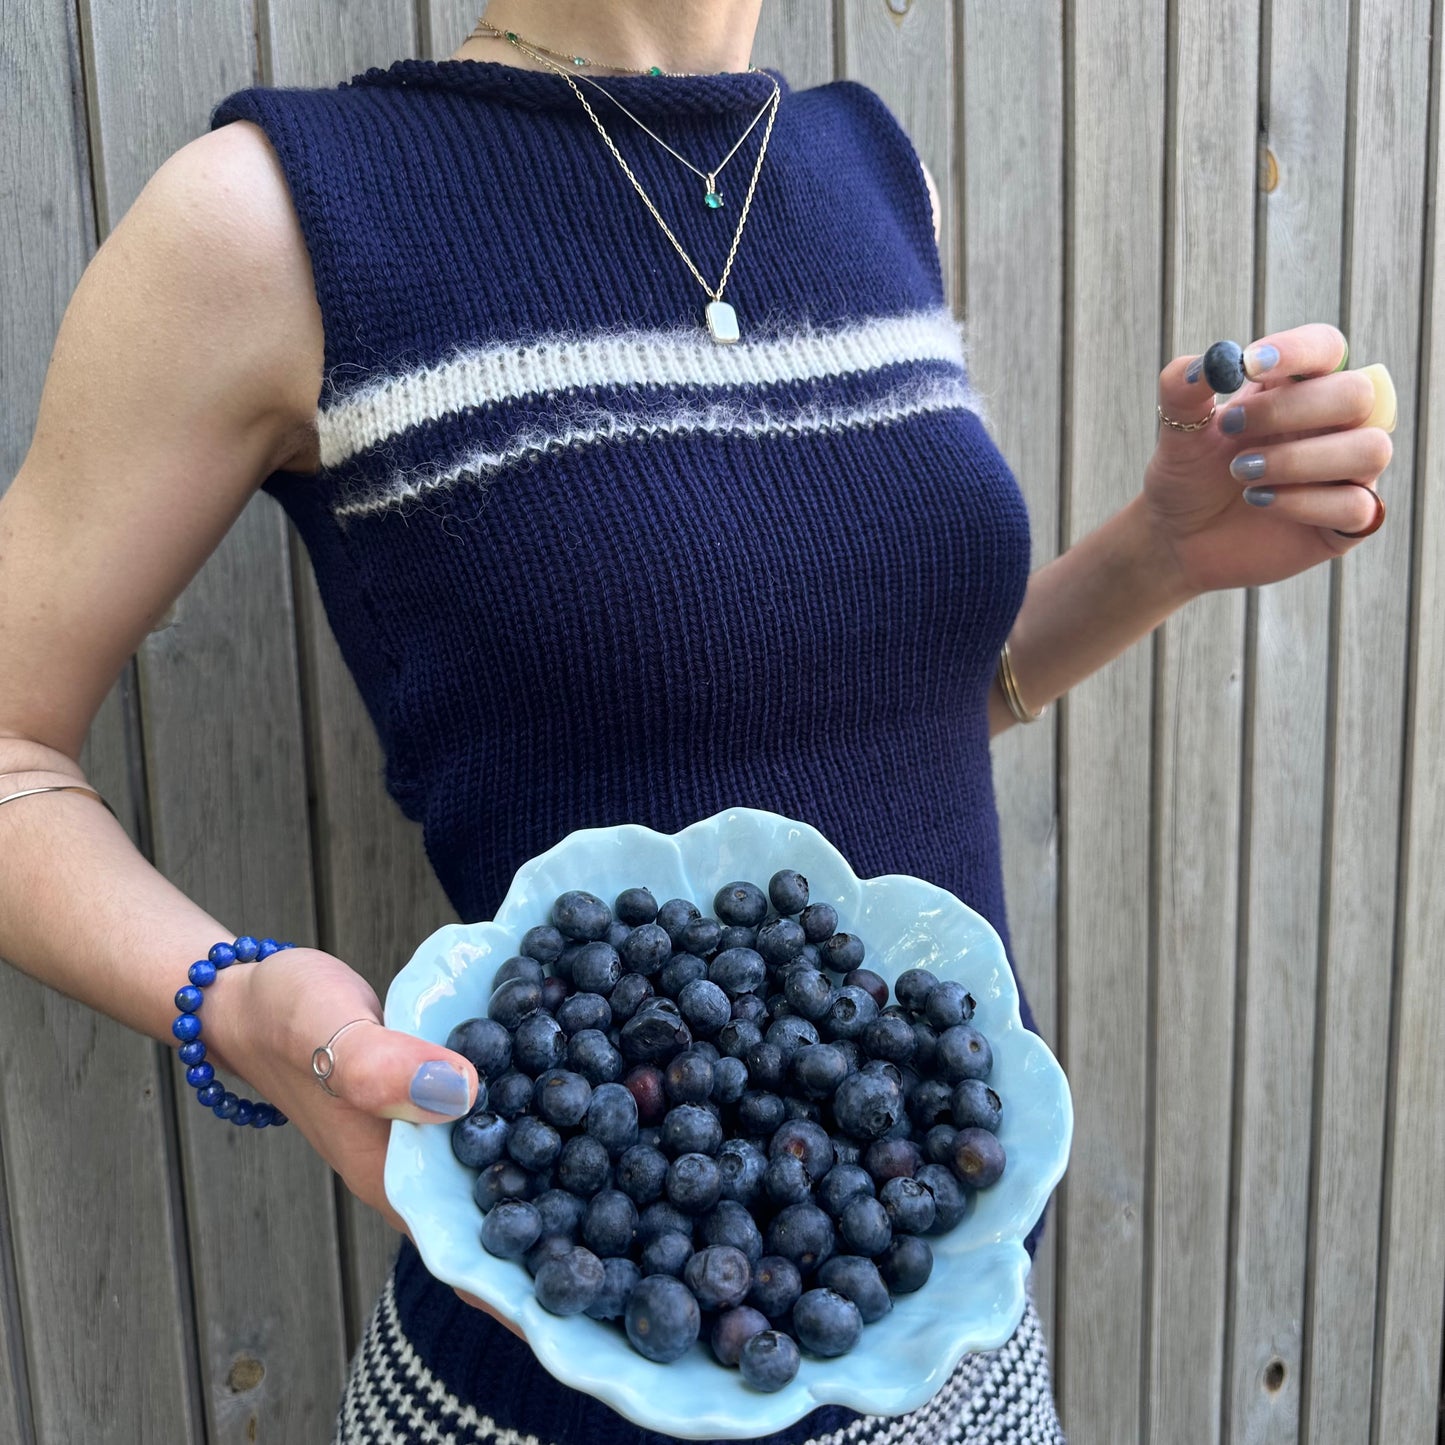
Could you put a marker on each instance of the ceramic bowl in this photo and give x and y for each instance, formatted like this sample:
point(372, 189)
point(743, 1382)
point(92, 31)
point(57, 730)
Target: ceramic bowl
point(975, 1297)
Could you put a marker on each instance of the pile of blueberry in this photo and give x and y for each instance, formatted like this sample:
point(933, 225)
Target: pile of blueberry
point(686, 1119)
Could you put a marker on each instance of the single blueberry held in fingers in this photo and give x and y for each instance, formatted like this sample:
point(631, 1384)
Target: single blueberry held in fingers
point(663, 1319)
point(734, 1328)
point(769, 1360)
point(581, 915)
point(1224, 367)
point(568, 1284)
point(826, 1322)
point(740, 905)
point(635, 906)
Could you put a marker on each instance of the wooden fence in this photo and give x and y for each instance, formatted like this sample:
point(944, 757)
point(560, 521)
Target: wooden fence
point(1223, 850)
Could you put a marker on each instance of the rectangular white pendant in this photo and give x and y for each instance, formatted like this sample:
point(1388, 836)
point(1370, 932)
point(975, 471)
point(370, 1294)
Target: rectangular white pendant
point(722, 321)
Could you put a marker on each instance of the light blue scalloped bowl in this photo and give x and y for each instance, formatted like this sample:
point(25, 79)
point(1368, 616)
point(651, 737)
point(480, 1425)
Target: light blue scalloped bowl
point(975, 1297)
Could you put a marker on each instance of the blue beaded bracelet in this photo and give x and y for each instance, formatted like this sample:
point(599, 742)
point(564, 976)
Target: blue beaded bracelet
point(200, 1074)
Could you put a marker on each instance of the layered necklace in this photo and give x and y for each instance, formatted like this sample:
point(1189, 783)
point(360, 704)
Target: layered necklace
point(720, 317)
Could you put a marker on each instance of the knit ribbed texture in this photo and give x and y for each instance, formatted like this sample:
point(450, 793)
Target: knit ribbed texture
point(589, 567)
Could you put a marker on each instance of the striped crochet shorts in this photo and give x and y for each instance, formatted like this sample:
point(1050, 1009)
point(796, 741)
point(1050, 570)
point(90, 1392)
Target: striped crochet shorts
point(392, 1396)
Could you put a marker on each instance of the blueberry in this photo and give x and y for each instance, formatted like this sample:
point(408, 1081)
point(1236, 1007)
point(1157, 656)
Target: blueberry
point(538, 1043)
point(906, 1264)
point(688, 1078)
point(807, 1142)
point(950, 1199)
point(584, 1011)
point(850, 1013)
point(740, 1036)
point(791, 1033)
point(555, 992)
point(826, 1322)
point(729, 1079)
point(561, 1212)
point(767, 1065)
point(809, 990)
point(479, 1139)
point(511, 1228)
point(884, 1068)
point(632, 990)
point(667, 1254)
point(777, 1283)
point(568, 1284)
point(734, 1328)
point(550, 1246)
point(510, 1095)
point(506, 1179)
point(867, 1105)
point(818, 1069)
point(788, 891)
point(617, 932)
point(702, 936)
point(886, 1159)
point(596, 968)
point(857, 1279)
point(803, 1234)
point(738, 971)
point(679, 971)
point(760, 1112)
point(511, 1003)
point(485, 1044)
point(1224, 367)
point(563, 967)
point(742, 1167)
point(674, 916)
point(735, 936)
point(976, 1106)
point(846, 1150)
point(635, 906)
point(787, 1180)
point(694, 1183)
point(842, 1184)
point(648, 1086)
point(719, 1276)
point(663, 1319)
point(925, 1045)
point(642, 1173)
point(518, 967)
point(610, 1224)
point(740, 905)
point(533, 1143)
point(963, 1053)
point(978, 1158)
point(584, 1166)
point(653, 1034)
point(948, 1005)
point(769, 1360)
point(705, 1007)
point(646, 949)
point(938, 1144)
point(930, 1102)
point(580, 915)
point(780, 941)
point(805, 1109)
point(663, 1218)
point(544, 943)
point(590, 1054)
point(864, 1226)
point(561, 1097)
point(619, 1279)
point(890, 1038)
point(842, 952)
point(731, 1223)
point(909, 1205)
point(691, 1129)
point(912, 987)
point(873, 984)
point(612, 1118)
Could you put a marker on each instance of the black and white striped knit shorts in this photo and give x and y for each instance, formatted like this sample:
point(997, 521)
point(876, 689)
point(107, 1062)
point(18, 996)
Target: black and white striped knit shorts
point(1003, 1396)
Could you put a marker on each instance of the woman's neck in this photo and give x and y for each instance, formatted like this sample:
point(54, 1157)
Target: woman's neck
point(680, 35)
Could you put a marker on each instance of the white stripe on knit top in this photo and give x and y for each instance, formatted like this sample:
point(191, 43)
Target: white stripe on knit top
point(684, 356)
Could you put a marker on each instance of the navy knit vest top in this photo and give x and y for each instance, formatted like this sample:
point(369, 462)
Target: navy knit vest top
point(587, 565)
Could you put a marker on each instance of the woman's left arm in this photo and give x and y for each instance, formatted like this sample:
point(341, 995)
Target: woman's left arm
point(1251, 498)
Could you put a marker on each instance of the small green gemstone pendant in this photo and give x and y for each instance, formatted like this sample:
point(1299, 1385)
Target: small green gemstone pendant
point(656, 70)
point(714, 201)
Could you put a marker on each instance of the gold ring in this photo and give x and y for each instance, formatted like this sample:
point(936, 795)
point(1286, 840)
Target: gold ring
point(1185, 425)
point(325, 1052)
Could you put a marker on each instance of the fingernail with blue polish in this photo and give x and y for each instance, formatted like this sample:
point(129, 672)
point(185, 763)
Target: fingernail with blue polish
point(1259, 496)
point(1233, 420)
point(441, 1088)
point(1260, 358)
point(1194, 370)
point(1247, 467)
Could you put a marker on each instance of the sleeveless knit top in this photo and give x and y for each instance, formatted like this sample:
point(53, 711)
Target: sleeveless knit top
point(587, 565)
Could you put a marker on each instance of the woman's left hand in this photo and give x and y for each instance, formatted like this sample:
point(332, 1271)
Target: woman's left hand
point(1290, 442)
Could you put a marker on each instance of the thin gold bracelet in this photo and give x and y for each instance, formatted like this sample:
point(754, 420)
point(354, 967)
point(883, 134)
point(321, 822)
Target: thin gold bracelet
point(57, 788)
point(1011, 690)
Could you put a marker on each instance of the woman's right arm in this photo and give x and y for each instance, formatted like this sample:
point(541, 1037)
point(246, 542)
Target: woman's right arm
point(186, 369)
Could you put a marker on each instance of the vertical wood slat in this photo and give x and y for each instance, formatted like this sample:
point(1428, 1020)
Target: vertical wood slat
point(1209, 262)
point(1301, 216)
point(17, 1422)
point(798, 40)
point(1010, 69)
point(85, 1380)
point(1115, 125)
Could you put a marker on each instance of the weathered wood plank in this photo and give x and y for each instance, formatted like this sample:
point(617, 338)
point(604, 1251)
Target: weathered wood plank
point(1209, 247)
point(1302, 215)
point(1115, 89)
point(17, 1424)
point(905, 53)
point(86, 1379)
point(798, 40)
point(1010, 72)
point(1391, 51)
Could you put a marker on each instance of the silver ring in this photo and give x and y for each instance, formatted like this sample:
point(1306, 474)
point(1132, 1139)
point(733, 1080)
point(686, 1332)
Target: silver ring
point(1185, 425)
point(325, 1052)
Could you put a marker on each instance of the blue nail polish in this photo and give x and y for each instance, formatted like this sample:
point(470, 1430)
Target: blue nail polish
point(1259, 496)
point(1233, 420)
point(1194, 370)
point(1247, 467)
point(1260, 358)
point(439, 1087)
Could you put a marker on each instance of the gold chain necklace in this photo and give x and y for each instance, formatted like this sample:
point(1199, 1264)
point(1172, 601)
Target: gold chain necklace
point(722, 320)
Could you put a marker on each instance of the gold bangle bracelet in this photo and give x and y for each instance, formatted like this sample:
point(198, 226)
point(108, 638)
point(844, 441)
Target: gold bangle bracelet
point(1011, 690)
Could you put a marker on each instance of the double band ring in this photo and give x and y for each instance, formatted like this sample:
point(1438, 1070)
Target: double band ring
point(1185, 425)
point(1379, 511)
point(323, 1060)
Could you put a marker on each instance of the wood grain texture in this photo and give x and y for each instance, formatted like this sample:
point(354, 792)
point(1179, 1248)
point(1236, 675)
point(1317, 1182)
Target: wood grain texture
point(1010, 74)
point(1301, 217)
point(1115, 86)
point(117, 1263)
point(798, 40)
point(17, 1421)
point(1383, 277)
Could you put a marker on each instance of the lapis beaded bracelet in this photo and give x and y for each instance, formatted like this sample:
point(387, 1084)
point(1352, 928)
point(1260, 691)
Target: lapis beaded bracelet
point(200, 1074)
